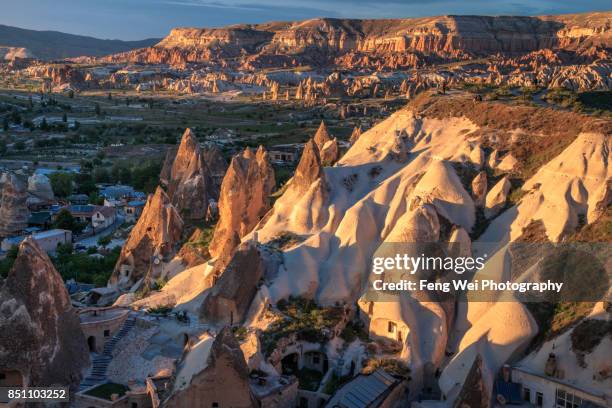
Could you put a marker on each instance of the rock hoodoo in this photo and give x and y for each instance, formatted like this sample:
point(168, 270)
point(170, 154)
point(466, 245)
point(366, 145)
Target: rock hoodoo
point(322, 136)
point(244, 197)
point(151, 242)
point(39, 186)
point(41, 342)
point(188, 179)
point(309, 168)
point(13, 205)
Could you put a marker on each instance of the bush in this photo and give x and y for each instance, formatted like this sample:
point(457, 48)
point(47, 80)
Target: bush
point(163, 310)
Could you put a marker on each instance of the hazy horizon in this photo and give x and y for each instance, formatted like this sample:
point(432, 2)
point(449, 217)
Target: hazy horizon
point(141, 19)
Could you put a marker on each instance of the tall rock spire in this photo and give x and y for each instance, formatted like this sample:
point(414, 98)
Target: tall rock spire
point(244, 197)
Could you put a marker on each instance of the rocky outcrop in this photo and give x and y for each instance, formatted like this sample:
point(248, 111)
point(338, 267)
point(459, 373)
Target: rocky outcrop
point(151, 243)
point(479, 188)
point(496, 198)
point(244, 197)
point(355, 135)
point(322, 136)
point(12, 53)
point(223, 381)
point(474, 393)
point(330, 153)
point(329, 150)
point(13, 205)
point(217, 166)
point(39, 186)
point(41, 342)
point(228, 301)
point(309, 168)
point(188, 179)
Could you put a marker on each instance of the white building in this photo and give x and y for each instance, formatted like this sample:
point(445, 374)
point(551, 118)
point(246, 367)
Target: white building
point(544, 391)
point(103, 217)
point(47, 240)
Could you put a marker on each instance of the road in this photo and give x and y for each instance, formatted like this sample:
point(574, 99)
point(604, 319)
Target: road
point(93, 240)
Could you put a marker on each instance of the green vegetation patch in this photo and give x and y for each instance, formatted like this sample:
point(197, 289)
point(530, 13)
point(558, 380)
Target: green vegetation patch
point(302, 317)
point(105, 391)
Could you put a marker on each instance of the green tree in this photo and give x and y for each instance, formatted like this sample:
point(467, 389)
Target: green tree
point(97, 109)
point(62, 184)
point(7, 262)
point(65, 220)
point(104, 241)
point(44, 125)
point(3, 147)
point(20, 145)
point(101, 175)
point(64, 118)
point(71, 94)
point(5, 124)
point(65, 249)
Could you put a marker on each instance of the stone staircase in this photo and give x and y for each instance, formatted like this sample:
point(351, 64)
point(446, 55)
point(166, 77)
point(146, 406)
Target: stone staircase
point(100, 363)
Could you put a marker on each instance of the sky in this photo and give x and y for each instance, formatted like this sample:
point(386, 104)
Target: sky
point(139, 19)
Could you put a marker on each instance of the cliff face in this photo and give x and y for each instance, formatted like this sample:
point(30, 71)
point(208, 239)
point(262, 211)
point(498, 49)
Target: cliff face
point(320, 40)
point(229, 299)
point(13, 208)
point(151, 242)
point(244, 198)
point(41, 342)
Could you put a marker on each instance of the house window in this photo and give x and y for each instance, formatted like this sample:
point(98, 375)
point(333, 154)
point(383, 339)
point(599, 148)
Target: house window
point(134, 405)
point(2, 376)
point(539, 399)
point(215, 405)
point(106, 333)
point(391, 327)
point(567, 400)
point(527, 394)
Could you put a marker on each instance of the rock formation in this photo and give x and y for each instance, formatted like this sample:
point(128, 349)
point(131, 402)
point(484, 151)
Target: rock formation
point(329, 150)
point(355, 135)
point(244, 197)
point(496, 198)
point(39, 189)
point(474, 393)
point(217, 166)
point(223, 380)
point(228, 301)
point(322, 136)
point(396, 43)
point(41, 342)
point(13, 205)
point(152, 241)
point(479, 188)
point(309, 168)
point(330, 153)
point(188, 179)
